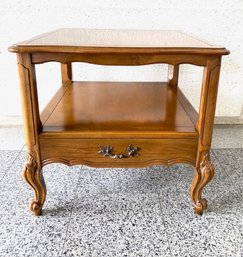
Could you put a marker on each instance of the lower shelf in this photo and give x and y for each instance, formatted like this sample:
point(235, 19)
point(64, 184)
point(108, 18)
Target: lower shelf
point(119, 107)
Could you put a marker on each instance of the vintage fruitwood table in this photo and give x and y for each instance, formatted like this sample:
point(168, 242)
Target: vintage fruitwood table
point(118, 124)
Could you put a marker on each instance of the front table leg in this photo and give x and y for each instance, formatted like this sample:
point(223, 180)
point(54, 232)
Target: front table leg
point(203, 175)
point(204, 167)
point(32, 174)
point(32, 171)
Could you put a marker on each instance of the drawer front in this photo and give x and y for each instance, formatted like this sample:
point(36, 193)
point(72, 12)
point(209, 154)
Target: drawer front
point(126, 152)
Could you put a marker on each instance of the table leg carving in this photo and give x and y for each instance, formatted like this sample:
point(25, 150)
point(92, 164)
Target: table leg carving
point(32, 174)
point(203, 175)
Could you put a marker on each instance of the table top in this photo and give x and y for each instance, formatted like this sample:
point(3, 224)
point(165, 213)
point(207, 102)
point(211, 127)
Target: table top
point(112, 40)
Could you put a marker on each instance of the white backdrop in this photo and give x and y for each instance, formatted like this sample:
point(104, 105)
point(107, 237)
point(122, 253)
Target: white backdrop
point(218, 22)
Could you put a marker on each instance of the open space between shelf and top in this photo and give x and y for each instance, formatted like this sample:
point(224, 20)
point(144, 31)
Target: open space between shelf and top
point(132, 107)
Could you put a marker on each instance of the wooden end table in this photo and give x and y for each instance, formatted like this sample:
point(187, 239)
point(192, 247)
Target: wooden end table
point(118, 124)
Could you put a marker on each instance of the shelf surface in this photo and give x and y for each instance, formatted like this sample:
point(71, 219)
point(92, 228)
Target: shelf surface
point(136, 107)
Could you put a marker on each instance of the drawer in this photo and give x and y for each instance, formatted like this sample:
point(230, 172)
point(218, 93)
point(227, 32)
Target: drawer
point(125, 152)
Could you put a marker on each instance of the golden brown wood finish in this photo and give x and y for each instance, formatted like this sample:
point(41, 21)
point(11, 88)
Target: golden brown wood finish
point(120, 58)
point(173, 74)
point(66, 71)
point(32, 172)
point(118, 41)
point(204, 167)
point(191, 112)
point(54, 102)
point(135, 124)
point(85, 151)
point(141, 106)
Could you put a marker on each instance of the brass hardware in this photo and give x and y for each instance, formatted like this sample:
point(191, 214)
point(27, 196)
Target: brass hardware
point(107, 151)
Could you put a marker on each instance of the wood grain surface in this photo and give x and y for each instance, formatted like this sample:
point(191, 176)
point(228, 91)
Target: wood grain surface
point(107, 40)
point(96, 123)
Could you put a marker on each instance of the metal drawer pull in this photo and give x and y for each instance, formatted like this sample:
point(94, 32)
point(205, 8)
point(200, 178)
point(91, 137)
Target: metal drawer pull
point(107, 151)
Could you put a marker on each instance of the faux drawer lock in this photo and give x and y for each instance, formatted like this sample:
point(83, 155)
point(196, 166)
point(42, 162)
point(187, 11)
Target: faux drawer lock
point(107, 151)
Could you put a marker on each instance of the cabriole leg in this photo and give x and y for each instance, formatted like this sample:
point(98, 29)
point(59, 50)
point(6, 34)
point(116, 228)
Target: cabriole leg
point(32, 171)
point(32, 174)
point(204, 168)
point(203, 175)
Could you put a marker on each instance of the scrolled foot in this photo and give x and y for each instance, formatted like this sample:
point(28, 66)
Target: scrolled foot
point(199, 206)
point(203, 176)
point(35, 207)
point(32, 174)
